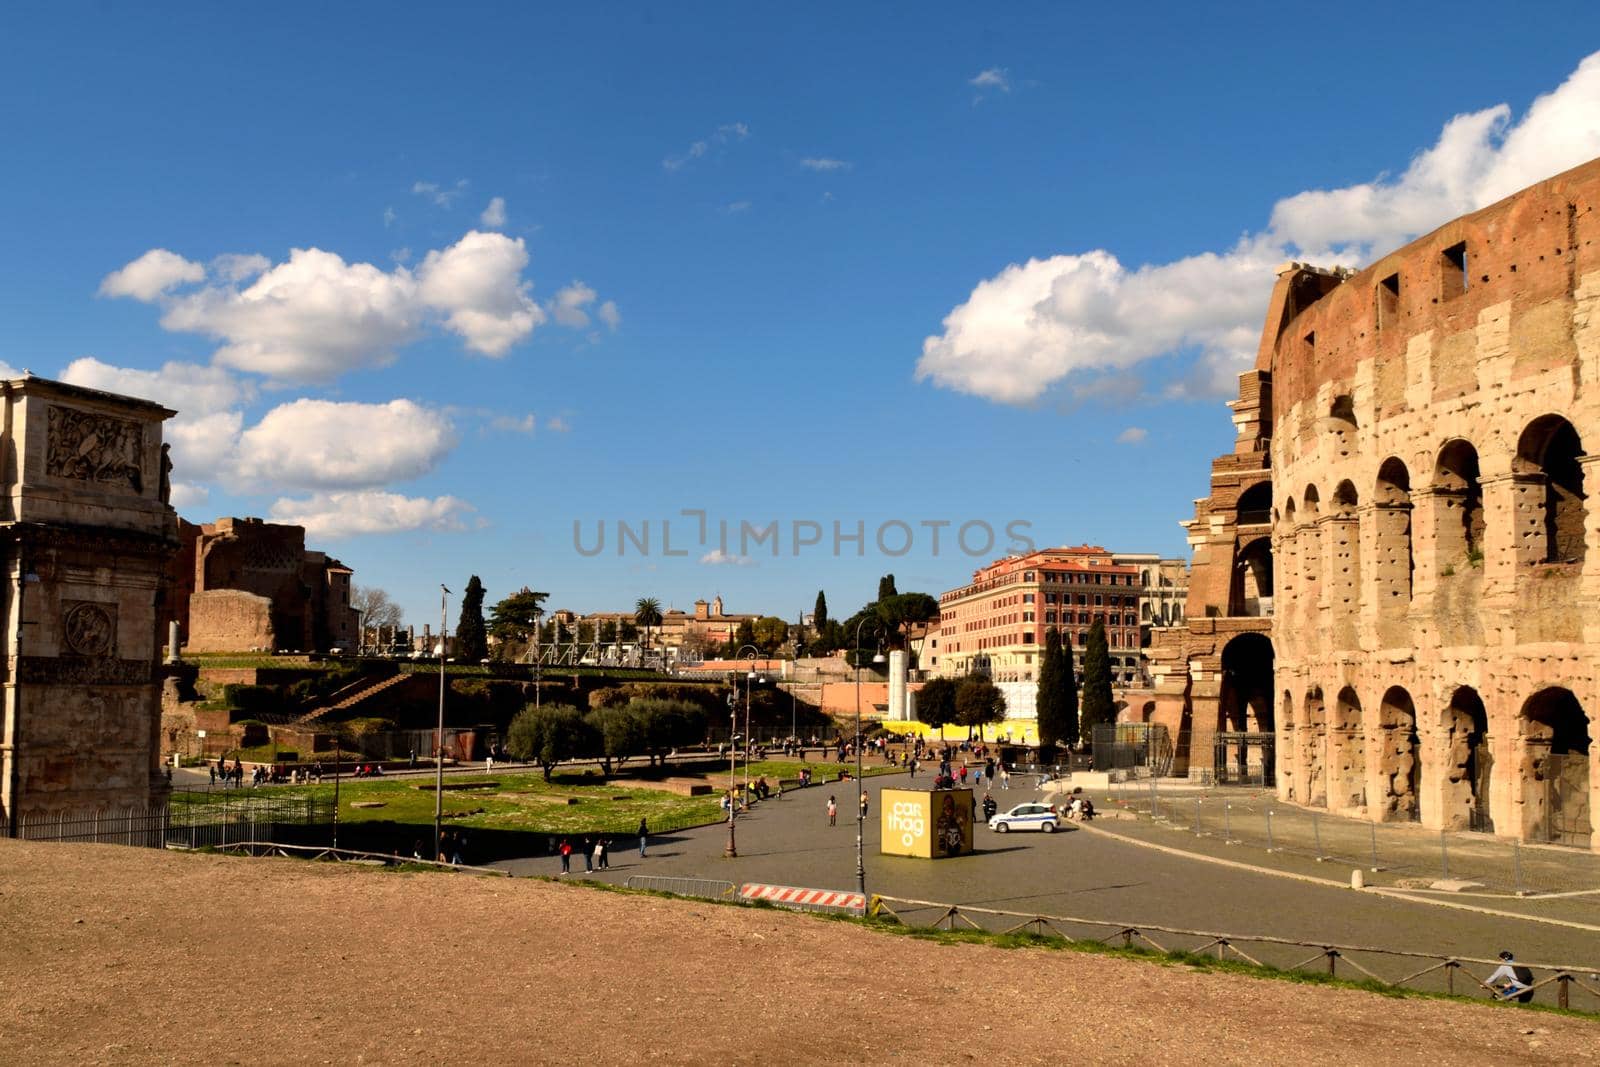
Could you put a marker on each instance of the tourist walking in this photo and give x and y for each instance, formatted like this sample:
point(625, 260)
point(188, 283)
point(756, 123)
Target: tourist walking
point(644, 836)
point(588, 855)
point(833, 812)
point(863, 803)
point(566, 856)
point(600, 861)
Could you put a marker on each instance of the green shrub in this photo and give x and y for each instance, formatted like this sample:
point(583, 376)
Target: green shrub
point(251, 699)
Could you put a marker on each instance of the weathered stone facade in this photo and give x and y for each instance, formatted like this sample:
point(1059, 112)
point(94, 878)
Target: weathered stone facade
point(1434, 625)
point(86, 534)
point(243, 584)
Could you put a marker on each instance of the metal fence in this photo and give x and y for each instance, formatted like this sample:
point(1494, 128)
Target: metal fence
point(1406, 854)
point(1566, 985)
point(712, 888)
point(187, 820)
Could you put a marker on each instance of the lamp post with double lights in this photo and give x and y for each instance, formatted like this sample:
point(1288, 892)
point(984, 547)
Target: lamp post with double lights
point(749, 680)
point(732, 849)
point(861, 816)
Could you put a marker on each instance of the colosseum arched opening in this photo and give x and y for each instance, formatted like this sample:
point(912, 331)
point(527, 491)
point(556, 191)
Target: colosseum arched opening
point(1554, 769)
point(1550, 506)
point(1467, 763)
point(1458, 493)
point(1246, 734)
point(1397, 758)
point(1343, 593)
point(1251, 595)
point(1394, 560)
point(1347, 755)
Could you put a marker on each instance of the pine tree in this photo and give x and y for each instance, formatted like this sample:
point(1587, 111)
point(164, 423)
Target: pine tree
point(1097, 706)
point(1057, 702)
point(886, 587)
point(472, 643)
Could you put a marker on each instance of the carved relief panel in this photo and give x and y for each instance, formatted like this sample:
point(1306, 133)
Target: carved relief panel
point(96, 448)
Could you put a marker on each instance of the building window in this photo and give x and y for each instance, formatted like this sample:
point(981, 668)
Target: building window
point(1027, 598)
point(1049, 616)
point(1083, 638)
point(1097, 600)
point(1453, 271)
point(1083, 599)
point(1027, 616)
point(1027, 638)
point(1027, 576)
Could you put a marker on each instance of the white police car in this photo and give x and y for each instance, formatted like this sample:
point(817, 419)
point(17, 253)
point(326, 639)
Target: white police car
point(1027, 817)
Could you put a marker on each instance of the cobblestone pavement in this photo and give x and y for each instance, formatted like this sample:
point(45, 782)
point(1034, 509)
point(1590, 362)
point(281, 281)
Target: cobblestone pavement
point(1078, 873)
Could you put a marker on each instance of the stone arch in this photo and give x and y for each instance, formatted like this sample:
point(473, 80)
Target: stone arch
point(1347, 762)
point(1550, 498)
point(1458, 490)
point(1554, 770)
point(1397, 758)
point(1313, 503)
point(1245, 705)
point(1343, 591)
point(1251, 591)
point(1341, 423)
point(1314, 749)
point(1467, 763)
point(1394, 561)
point(1255, 505)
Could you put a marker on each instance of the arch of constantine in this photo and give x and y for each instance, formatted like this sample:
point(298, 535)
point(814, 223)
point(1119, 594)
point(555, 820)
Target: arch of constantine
point(1406, 515)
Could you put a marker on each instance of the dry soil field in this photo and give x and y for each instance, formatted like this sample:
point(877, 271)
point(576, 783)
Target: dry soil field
point(123, 955)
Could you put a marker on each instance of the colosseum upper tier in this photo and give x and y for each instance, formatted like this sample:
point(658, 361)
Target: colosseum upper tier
point(1396, 575)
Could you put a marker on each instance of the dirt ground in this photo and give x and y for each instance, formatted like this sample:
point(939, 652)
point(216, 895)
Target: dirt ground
point(125, 955)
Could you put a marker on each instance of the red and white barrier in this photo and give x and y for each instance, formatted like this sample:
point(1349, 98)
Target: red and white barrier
point(794, 897)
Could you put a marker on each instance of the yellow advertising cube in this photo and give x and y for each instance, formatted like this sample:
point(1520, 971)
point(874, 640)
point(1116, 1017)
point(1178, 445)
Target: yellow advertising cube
point(929, 823)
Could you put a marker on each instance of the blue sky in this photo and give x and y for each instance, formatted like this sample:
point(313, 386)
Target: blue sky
point(819, 265)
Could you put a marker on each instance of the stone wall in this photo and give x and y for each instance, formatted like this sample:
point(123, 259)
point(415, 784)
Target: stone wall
point(230, 620)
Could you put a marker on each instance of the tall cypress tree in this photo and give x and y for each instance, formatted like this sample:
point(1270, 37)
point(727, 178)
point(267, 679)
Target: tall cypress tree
point(472, 643)
point(819, 614)
point(1057, 702)
point(1098, 705)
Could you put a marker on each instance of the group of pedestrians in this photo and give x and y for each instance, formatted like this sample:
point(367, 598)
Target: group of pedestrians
point(596, 850)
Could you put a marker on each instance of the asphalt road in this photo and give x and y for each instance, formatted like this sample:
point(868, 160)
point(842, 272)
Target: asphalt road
point(1074, 873)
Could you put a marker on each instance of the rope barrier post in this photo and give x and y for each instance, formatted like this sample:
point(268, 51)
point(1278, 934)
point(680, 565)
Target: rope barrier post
point(1444, 852)
point(1516, 866)
point(1374, 828)
point(1197, 816)
point(1316, 834)
point(1270, 847)
point(1227, 824)
point(1562, 982)
point(1333, 957)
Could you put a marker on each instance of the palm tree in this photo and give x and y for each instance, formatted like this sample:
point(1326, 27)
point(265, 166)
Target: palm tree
point(647, 613)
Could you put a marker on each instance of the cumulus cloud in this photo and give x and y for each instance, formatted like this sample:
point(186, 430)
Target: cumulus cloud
point(315, 317)
point(186, 495)
point(825, 164)
point(494, 216)
point(524, 424)
point(568, 306)
point(1133, 435)
point(557, 424)
point(441, 195)
point(718, 558)
point(327, 444)
point(151, 275)
point(609, 315)
point(994, 78)
point(1055, 321)
point(477, 284)
point(331, 516)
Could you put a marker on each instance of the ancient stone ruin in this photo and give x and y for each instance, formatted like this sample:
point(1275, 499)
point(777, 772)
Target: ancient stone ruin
point(1397, 570)
point(87, 536)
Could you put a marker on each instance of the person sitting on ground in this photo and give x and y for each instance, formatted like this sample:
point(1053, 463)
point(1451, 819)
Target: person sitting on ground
point(1087, 812)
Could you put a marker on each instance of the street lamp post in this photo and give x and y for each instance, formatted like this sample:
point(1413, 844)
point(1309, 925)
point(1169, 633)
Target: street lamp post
point(438, 752)
point(861, 817)
point(732, 851)
point(749, 678)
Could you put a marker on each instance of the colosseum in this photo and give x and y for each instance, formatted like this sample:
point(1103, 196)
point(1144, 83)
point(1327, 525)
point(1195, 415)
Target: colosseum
point(1393, 609)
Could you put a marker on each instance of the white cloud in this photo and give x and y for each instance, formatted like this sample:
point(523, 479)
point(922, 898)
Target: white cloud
point(738, 207)
point(186, 495)
point(609, 315)
point(389, 217)
point(1040, 324)
point(567, 307)
point(825, 164)
point(718, 558)
point(557, 424)
point(1133, 435)
point(151, 275)
point(331, 516)
point(311, 318)
point(494, 216)
point(400, 255)
point(477, 284)
point(994, 78)
point(315, 317)
point(725, 134)
point(525, 424)
point(441, 195)
point(326, 444)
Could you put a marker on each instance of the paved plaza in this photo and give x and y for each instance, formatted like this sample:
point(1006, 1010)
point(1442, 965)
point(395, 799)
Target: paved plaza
point(1082, 873)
